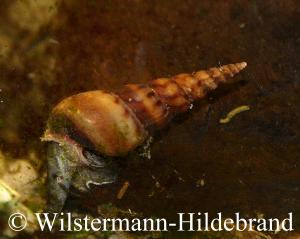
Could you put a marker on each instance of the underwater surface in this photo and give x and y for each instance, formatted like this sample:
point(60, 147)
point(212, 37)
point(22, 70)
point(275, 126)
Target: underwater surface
point(52, 49)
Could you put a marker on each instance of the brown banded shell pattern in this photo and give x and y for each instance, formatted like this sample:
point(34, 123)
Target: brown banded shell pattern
point(115, 123)
point(158, 101)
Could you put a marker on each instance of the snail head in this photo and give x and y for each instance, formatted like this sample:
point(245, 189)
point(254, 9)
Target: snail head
point(73, 163)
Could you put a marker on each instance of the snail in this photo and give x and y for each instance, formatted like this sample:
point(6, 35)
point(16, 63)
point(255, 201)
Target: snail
point(85, 132)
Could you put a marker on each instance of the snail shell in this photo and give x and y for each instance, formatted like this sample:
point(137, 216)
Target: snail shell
point(115, 123)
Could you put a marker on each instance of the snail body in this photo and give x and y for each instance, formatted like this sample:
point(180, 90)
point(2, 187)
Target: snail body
point(113, 124)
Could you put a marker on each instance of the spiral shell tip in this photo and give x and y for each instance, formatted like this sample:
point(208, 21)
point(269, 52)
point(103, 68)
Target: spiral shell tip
point(242, 65)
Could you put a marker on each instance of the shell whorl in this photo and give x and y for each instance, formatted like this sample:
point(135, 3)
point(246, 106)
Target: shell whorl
point(158, 101)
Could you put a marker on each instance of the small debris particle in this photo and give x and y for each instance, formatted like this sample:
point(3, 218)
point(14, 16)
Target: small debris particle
point(31, 75)
point(151, 194)
point(242, 25)
point(59, 179)
point(123, 190)
point(146, 150)
point(200, 182)
point(53, 41)
point(178, 176)
point(157, 184)
point(181, 179)
point(234, 112)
